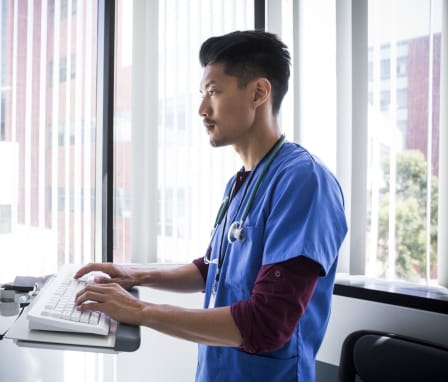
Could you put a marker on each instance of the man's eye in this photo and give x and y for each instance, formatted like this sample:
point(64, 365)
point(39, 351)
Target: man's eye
point(211, 92)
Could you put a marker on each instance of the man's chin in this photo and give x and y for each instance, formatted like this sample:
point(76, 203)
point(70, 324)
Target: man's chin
point(217, 143)
point(213, 141)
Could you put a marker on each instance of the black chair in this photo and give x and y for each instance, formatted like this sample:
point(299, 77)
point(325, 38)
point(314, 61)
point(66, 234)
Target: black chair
point(373, 356)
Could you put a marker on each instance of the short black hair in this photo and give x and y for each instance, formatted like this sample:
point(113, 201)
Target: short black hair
point(248, 55)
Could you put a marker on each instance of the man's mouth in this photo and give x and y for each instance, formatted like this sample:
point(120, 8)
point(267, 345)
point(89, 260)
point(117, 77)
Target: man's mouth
point(209, 125)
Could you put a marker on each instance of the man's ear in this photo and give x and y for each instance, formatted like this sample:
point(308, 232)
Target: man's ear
point(262, 91)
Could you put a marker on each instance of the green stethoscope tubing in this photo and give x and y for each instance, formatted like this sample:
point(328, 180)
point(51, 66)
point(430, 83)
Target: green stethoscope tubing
point(226, 202)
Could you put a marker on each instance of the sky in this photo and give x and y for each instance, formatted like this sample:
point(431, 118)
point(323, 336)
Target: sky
point(404, 18)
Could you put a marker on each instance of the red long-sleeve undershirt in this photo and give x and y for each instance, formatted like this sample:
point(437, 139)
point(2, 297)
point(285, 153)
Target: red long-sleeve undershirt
point(280, 295)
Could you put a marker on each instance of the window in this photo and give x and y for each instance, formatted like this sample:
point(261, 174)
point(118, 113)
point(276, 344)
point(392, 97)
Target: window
point(402, 99)
point(396, 117)
point(168, 182)
point(385, 68)
point(402, 66)
point(172, 179)
point(402, 233)
point(2, 121)
point(63, 69)
point(385, 100)
point(5, 219)
point(47, 168)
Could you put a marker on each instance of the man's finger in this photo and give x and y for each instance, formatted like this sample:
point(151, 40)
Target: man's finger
point(92, 267)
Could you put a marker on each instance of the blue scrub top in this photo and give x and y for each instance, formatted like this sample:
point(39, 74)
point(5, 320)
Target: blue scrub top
point(298, 211)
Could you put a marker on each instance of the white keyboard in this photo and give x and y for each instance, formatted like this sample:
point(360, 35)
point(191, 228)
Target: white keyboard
point(54, 307)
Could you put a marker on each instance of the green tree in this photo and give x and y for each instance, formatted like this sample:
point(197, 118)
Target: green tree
point(410, 216)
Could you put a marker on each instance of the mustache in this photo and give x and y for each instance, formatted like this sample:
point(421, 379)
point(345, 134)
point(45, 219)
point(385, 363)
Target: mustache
point(208, 121)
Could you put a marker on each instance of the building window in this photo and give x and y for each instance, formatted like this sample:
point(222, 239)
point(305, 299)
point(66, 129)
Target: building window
point(402, 67)
point(73, 67)
point(63, 69)
point(5, 218)
point(385, 100)
point(2, 118)
point(402, 98)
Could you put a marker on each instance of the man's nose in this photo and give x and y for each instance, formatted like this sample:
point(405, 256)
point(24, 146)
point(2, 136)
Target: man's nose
point(204, 108)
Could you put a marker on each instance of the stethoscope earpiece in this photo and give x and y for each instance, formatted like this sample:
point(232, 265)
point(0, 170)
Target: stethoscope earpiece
point(236, 232)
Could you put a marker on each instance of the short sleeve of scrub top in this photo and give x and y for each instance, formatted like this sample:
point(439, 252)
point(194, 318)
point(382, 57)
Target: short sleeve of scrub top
point(306, 215)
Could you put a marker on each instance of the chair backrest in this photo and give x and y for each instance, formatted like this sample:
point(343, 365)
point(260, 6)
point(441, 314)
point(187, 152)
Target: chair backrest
point(375, 356)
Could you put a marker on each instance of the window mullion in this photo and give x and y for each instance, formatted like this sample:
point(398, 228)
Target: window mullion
point(359, 137)
point(260, 14)
point(105, 107)
point(442, 245)
point(352, 127)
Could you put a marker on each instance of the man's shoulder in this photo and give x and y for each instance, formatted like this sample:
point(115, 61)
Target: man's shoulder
point(296, 158)
point(298, 164)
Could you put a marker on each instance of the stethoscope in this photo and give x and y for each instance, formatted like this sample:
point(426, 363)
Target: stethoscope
point(236, 230)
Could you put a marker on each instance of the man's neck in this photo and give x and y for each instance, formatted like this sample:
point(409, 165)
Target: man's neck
point(257, 147)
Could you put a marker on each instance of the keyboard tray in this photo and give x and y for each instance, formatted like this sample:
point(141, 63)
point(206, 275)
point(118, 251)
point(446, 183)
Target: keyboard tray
point(122, 337)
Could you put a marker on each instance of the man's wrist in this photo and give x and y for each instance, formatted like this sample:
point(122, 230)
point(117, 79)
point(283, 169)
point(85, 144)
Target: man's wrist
point(144, 277)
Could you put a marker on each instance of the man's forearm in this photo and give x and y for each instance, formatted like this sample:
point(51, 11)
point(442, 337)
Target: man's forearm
point(214, 327)
point(185, 278)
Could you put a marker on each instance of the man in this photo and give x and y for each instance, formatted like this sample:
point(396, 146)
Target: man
point(268, 273)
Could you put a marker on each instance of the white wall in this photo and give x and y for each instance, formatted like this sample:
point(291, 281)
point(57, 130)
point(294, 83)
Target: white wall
point(160, 357)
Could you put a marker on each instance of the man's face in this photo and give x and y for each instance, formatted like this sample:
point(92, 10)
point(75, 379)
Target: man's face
point(226, 108)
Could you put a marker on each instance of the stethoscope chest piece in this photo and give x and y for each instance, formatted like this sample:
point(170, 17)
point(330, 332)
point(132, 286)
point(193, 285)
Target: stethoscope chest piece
point(236, 232)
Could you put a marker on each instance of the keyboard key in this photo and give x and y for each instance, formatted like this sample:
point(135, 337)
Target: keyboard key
point(85, 316)
point(76, 315)
point(94, 318)
point(66, 315)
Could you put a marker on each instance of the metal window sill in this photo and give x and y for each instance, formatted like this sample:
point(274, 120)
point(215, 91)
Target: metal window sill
point(410, 295)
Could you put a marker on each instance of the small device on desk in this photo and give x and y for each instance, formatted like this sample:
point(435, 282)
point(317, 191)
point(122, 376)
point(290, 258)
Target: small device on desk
point(52, 320)
point(23, 284)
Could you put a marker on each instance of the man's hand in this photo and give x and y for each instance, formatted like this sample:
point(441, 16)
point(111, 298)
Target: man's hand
point(123, 275)
point(112, 300)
